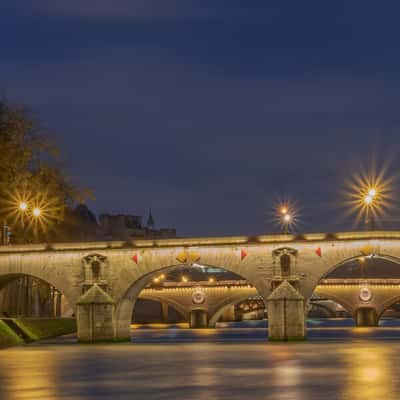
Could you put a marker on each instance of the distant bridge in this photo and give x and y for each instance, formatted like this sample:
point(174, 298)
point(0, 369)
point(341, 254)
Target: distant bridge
point(357, 296)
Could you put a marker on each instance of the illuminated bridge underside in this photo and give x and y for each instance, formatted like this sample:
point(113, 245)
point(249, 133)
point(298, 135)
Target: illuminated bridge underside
point(123, 269)
point(221, 296)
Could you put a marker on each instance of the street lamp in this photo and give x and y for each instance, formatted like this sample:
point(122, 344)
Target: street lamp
point(369, 195)
point(23, 206)
point(286, 217)
point(6, 233)
point(36, 214)
point(371, 201)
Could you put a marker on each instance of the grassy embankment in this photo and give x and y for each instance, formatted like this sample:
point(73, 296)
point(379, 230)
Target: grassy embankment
point(24, 330)
point(8, 337)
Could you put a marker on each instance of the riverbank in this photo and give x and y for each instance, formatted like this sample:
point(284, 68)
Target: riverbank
point(17, 331)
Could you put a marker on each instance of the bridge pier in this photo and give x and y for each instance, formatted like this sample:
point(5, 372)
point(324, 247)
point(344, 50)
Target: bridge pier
point(96, 316)
point(198, 319)
point(164, 312)
point(286, 321)
point(366, 316)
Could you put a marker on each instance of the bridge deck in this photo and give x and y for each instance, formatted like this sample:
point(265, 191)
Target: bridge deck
point(203, 241)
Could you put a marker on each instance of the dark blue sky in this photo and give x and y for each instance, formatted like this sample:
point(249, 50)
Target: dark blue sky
point(207, 111)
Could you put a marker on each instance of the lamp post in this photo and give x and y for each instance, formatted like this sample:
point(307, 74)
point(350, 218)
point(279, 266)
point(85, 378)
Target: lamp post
point(23, 207)
point(370, 195)
point(370, 201)
point(286, 219)
point(36, 212)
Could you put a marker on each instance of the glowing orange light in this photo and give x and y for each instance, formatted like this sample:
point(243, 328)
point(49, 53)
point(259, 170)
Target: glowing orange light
point(23, 206)
point(368, 199)
point(37, 212)
point(369, 195)
point(286, 215)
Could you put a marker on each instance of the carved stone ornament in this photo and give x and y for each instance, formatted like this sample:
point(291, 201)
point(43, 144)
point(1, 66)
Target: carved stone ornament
point(94, 267)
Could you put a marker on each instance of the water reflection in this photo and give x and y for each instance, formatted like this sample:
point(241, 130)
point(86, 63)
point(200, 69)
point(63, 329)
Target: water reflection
point(288, 375)
point(370, 373)
point(30, 375)
point(211, 364)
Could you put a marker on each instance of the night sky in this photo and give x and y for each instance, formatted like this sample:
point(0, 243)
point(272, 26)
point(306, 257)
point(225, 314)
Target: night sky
point(208, 111)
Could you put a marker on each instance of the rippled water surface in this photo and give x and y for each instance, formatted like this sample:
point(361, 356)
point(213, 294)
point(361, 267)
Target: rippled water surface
point(227, 363)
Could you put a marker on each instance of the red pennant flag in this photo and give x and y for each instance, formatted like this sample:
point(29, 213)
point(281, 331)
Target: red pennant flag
point(318, 252)
point(243, 255)
point(135, 258)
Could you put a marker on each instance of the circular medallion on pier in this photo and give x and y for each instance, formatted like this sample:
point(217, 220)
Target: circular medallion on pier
point(365, 294)
point(198, 297)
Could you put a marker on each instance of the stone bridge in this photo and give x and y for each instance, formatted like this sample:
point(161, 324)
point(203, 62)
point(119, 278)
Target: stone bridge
point(365, 299)
point(102, 280)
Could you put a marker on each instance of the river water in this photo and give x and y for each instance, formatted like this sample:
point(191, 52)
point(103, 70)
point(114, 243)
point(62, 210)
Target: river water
point(233, 362)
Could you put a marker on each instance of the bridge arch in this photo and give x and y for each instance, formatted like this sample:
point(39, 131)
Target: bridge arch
point(44, 269)
point(23, 295)
point(348, 306)
point(371, 270)
point(315, 281)
point(126, 302)
point(322, 258)
point(32, 297)
point(381, 308)
point(330, 313)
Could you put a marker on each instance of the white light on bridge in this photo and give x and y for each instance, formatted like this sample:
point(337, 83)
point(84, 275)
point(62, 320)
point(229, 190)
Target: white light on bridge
point(23, 206)
point(286, 215)
point(368, 199)
point(287, 218)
